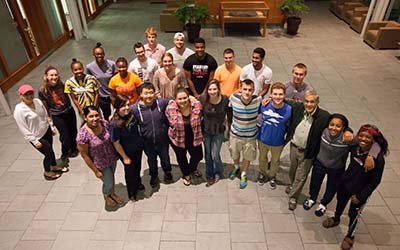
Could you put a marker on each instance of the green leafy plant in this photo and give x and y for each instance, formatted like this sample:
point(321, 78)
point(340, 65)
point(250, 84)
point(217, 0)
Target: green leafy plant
point(294, 8)
point(192, 13)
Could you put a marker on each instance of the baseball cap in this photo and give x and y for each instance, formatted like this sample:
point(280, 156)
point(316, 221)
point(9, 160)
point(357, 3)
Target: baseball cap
point(25, 88)
point(179, 34)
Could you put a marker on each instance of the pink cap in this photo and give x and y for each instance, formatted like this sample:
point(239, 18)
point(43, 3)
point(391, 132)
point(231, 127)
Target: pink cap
point(25, 88)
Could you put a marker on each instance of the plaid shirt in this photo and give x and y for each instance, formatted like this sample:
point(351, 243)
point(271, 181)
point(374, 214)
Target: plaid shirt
point(176, 131)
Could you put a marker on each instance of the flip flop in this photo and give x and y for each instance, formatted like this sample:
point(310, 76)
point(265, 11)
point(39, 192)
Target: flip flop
point(60, 169)
point(52, 177)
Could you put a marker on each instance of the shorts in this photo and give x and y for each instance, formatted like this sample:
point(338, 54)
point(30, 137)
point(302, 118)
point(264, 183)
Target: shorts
point(248, 147)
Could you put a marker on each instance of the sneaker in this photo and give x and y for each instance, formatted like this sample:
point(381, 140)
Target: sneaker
point(233, 173)
point(261, 179)
point(154, 182)
point(243, 182)
point(272, 184)
point(288, 189)
point(321, 209)
point(167, 176)
point(292, 204)
point(308, 204)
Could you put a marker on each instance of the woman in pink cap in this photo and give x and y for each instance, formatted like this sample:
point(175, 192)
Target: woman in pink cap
point(34, 123)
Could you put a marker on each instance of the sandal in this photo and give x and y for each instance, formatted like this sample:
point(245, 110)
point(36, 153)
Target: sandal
point(110, 202)
point(197, 173)
point(347, 243)
point(117, 199)
point(51, 176)
point(330, 222)
point(187, 181)
point(60, 169)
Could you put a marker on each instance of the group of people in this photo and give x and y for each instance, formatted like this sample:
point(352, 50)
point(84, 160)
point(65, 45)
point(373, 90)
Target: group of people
point(184, 99)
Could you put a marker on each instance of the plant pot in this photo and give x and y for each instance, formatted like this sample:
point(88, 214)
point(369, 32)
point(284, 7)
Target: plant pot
point(193, 31)
point(293, 24)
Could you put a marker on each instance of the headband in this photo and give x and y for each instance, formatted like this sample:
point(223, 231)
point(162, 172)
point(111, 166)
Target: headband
point(371, 130)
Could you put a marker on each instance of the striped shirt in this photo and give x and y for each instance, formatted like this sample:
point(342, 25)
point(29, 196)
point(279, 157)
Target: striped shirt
point(244, 123)
point(85, 90)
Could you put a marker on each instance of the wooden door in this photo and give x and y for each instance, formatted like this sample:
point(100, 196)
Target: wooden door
point(36, 19)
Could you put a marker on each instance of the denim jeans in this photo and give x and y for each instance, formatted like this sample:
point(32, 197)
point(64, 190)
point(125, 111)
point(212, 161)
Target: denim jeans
point(212, 147)
point(108, 179)
point(152, 151)
point(318, 175)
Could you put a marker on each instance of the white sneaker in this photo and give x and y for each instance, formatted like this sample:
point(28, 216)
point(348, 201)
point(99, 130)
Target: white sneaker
point(320, 211)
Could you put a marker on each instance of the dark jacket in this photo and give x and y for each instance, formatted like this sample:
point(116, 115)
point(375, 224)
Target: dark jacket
point(320, 121)
point(359, 182)
point(153, 123)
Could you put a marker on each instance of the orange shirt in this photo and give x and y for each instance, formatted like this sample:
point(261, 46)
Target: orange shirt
point(229, 81)
point(126, 86)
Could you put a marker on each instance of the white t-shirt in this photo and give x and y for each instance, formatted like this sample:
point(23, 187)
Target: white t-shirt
point(180, 59)
point(259, 77)
point(145, 70)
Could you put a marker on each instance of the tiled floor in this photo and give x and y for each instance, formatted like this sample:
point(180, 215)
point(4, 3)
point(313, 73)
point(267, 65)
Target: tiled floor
point(68, 214)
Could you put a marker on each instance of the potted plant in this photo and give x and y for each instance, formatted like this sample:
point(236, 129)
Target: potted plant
point(192, 15)
point(293, 9)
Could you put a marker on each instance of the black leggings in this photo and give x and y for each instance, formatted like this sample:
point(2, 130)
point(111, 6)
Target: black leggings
point(47, 150)
point(196, 154)
point(343, 196)
point(66, 126)
point(105, 106)
point(132, 173)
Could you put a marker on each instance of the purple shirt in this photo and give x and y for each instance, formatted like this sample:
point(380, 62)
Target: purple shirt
point(101, 149)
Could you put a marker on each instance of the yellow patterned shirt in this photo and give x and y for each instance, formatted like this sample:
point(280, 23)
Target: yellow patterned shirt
point(85, 90)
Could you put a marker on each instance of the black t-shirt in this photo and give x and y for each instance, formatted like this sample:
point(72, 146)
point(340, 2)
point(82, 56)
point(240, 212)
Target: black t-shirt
point(200, 70)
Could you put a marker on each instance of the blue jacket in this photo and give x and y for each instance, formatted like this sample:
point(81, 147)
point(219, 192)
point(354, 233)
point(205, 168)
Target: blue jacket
point(153, 124)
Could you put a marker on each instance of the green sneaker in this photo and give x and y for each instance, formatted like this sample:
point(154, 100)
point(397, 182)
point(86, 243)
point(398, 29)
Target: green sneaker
point(233, 173)
point(243, 182)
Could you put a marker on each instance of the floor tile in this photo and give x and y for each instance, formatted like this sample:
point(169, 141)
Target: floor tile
point(146, 222)
point(176, 245)
point(287, 241)
point(105, 245)
point(280, 223)
point(53, 211)
point(15, 221)
point(244, 213)
point(34, 245)
point(213, 241)
point(43, 230)
point(247, 232)
point(26, 203)
point(142, 240)
point(178, 231)
point(180, 212)
point(67, 240)
point(212, 223)
point(110, 230)
point(80, 221)
point(9, 239)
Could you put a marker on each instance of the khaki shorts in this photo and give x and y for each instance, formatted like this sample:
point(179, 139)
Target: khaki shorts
point(248, 147)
